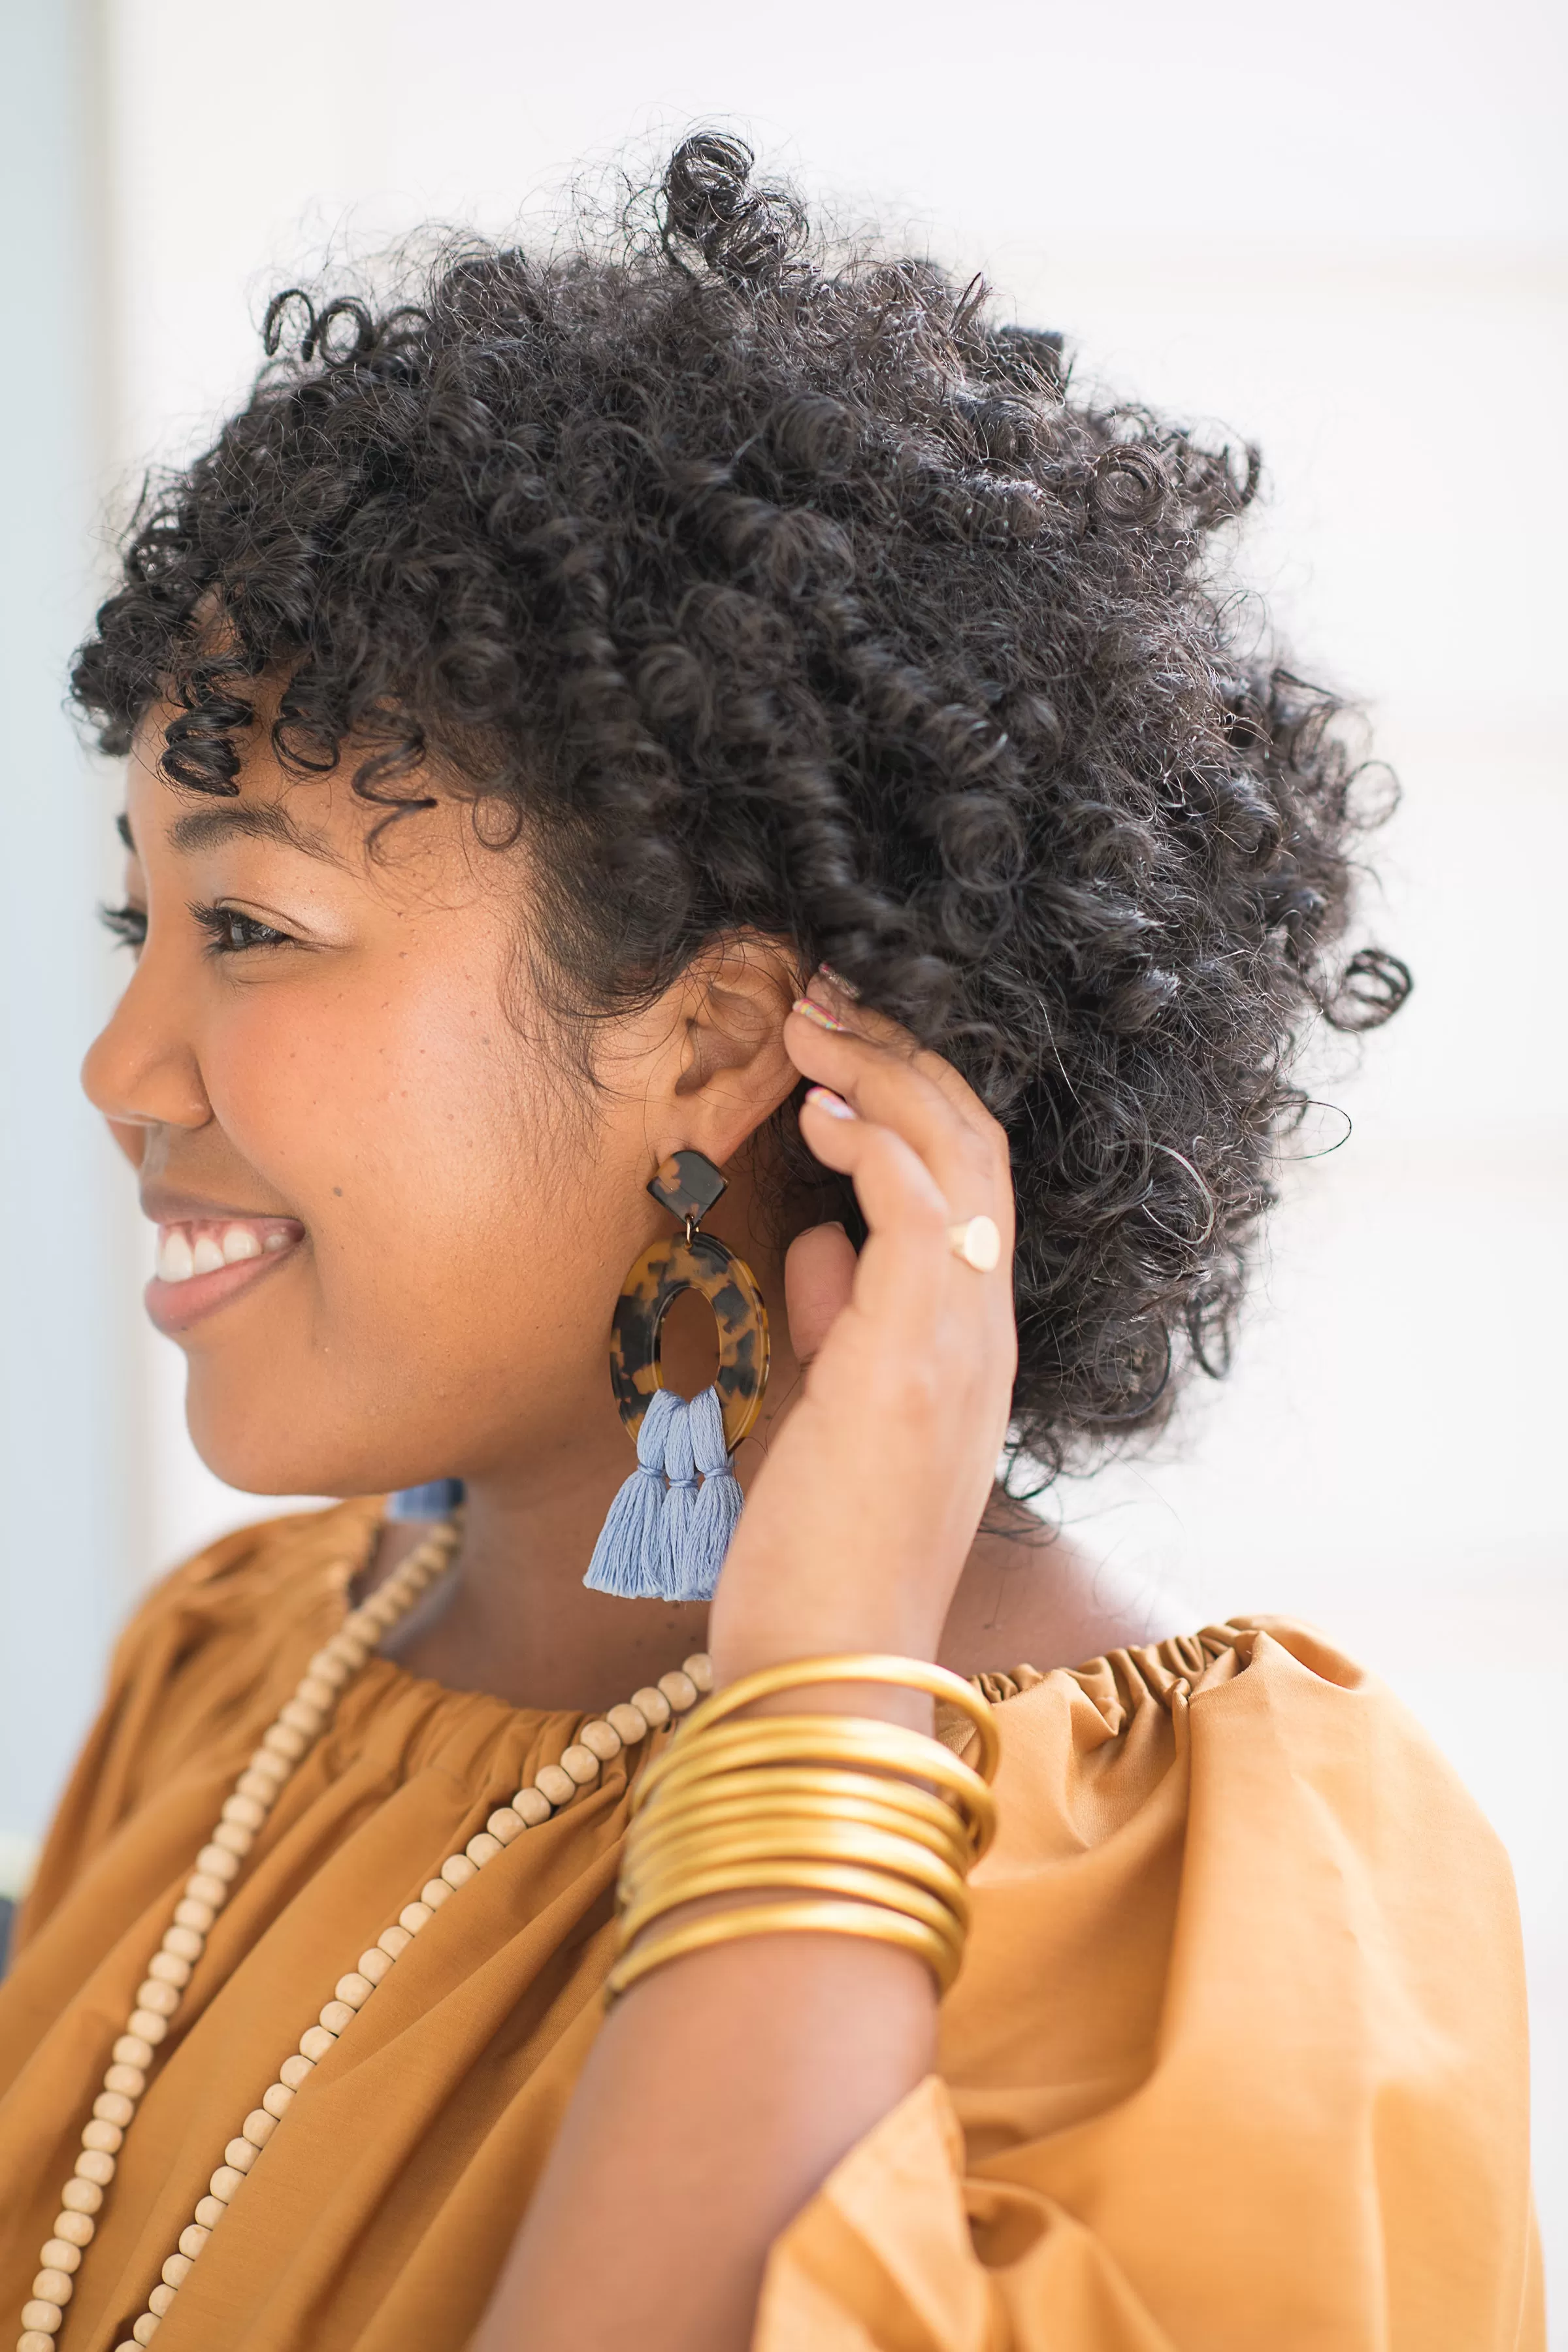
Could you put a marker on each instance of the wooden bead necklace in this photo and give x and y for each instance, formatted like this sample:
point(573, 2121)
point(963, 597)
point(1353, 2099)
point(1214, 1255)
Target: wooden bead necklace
point(299, 1724)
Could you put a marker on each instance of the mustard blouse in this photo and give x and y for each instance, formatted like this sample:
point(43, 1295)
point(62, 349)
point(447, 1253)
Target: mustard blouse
point(1237, 2059)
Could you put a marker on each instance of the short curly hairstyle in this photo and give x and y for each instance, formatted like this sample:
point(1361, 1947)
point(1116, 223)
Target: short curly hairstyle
point(773, 589)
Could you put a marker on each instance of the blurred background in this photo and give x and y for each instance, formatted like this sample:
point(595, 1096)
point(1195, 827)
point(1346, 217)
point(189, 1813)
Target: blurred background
point(1343, 234)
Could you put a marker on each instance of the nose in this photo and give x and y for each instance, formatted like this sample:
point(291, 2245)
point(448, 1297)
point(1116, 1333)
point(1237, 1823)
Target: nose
point(141, 1070)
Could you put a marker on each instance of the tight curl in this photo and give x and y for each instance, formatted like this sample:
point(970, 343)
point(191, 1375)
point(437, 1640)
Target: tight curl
point(775, 592)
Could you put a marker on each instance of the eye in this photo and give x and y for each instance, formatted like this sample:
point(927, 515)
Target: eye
point(127, 925)
point(232, 933)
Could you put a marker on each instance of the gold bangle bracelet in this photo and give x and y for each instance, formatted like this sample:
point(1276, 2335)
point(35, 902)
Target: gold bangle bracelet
point(717, 1810)
point(804, 1918)
point(832, 1739)
point(846, 1844)
point(873, 1666)
point(754, 1784)
point(748, 1876)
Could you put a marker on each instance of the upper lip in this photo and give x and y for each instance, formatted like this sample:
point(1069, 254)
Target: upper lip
point(165, 1206)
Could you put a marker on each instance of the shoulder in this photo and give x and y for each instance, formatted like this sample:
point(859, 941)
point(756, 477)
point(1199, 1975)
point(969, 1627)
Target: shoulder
point(265, 1572)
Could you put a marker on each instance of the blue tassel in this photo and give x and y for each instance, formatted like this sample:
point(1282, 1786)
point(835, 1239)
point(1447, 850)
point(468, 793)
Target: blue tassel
point(439, 1501)
point(669, 1580)
point(718, 1505)
point(626, 1558)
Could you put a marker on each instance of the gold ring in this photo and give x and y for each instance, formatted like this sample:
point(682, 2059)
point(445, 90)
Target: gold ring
point(977, 1243)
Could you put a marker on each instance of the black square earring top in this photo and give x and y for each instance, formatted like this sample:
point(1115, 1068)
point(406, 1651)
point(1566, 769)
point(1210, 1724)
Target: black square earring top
point(687, 1184)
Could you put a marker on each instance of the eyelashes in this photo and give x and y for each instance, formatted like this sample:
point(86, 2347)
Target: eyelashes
point(228, 932)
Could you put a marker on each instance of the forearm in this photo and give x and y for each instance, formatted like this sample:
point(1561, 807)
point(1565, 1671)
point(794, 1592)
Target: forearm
point(720, 2095)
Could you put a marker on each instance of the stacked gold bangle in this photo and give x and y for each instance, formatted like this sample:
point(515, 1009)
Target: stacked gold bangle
point(864, 1827)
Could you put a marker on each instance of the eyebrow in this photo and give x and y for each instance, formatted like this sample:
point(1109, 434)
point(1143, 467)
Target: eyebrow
point(206, 828)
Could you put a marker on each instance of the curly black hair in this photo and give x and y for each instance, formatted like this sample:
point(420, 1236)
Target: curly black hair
point(778, 591)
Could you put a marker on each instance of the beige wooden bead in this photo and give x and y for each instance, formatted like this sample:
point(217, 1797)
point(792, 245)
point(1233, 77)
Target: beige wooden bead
point(128, 2080)
point(435, 1892)
point(284, 1741)
point(273, 1767)
point(241, 2153)
point(630, 1723)
point(531, 1807)
point(374, 1964)
point(94, 2164)
point(169, 1967)
point(248, 1812)
point(415, 1916)
point(296, 2071)
point(193, 2238)
point(161, 1998)
point(59, 2254)
point(45, 2318)
point(355, 1989)
point(234, 1839)
point(146, 2327)
point(219, 1861)
point(277, 2098)
point(328, 1668)
point(259, 1786)
point(482, 1848)
point(80, 2197)
point(602, 1739)
point(210, 2212)
point(76, 2225)
point(302, 1717)
point(226, 2183)
point(113, 2108)
point(699, 1666)
point(183, 1943)
point(653, 1705)
point(680, 1690)
point(148, 2025)
point(504, 1825)
point(394, 1942)
point(131, 2049)
point(558, 1786)
point(101, 2135)
point(315, 2042)
point(33, 2339)
point(205, 1892)
point(161, 2299)
point(337, 2016)
point(580, 1764)
point(316, 1691)
point(349, 1650)
point(259, 2126)
point(54, 2287)
point(456, 1870)
point(177, 2270)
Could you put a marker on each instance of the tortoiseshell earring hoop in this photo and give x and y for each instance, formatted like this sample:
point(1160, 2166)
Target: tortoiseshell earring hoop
point(687, 1184)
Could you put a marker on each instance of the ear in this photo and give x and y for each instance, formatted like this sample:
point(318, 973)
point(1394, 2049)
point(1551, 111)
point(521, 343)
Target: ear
point(731, 1071)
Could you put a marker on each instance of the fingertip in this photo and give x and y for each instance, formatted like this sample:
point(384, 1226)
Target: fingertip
point(823, 1098)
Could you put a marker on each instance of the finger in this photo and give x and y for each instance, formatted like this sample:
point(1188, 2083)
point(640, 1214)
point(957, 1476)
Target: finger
point(968, 1161)
point(861, 1020)
point(819, 1274)
point(907, 1277)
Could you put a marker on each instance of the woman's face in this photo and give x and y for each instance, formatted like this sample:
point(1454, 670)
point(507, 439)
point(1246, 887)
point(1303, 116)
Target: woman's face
point(391, 1225)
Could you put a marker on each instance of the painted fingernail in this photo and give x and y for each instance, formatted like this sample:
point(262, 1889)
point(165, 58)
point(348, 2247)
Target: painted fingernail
point(837, 980)
point(834, 1105)
point(809, 1010)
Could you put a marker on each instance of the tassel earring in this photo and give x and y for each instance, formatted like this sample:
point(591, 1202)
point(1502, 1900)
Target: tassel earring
point(665, 1536)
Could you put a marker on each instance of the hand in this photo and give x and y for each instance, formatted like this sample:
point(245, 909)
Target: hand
point(857, 1530)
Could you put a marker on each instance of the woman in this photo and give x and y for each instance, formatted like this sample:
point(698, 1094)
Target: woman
point(531, 689)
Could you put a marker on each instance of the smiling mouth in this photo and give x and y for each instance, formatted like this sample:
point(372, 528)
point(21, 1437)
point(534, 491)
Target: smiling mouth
point(202, 1263)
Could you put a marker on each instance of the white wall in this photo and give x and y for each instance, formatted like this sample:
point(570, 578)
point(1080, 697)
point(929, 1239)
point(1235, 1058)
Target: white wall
point(1343, 231)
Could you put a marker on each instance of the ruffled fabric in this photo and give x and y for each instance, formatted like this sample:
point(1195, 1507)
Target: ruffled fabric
point(1236, 2058)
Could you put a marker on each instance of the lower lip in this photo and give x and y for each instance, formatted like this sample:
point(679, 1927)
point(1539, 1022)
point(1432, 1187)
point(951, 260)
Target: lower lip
point(174, 1306)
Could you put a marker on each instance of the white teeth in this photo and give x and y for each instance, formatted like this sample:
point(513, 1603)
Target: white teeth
point(274, 1240)
point(238, 1243)
point(206, 1257)
point(175, 1263)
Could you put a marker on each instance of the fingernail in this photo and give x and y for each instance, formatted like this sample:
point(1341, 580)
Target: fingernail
point(837, 980)
point(834, 1105)
point(809, 1010)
